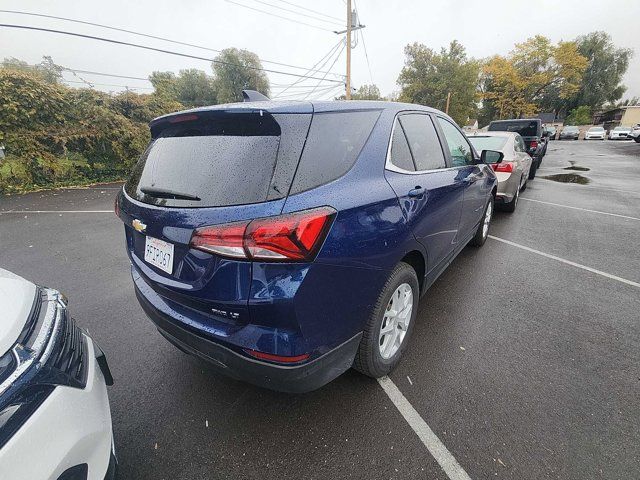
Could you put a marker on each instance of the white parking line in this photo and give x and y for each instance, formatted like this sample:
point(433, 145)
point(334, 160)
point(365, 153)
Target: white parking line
point(430, 440)
point(23, 212)
point(568, 262)
point(578, 208)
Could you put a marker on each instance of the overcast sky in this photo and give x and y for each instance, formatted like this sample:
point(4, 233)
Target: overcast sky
point(483, 27)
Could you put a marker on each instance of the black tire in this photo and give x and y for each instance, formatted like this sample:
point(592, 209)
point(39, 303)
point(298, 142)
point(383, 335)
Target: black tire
point(369, 360)
point(524, 186)
point(637, 139)
point(533, 169)
point(479, 238)
point(511, 206)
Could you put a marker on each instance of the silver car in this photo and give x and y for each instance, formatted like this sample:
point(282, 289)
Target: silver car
point(513, 171)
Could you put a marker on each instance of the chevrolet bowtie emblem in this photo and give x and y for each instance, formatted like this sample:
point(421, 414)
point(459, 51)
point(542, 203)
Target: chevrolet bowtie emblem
point(138, 225)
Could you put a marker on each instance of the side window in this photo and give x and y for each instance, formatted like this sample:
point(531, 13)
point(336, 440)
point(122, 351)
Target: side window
point(423, 142)
point(460, 149)
point(400, 154)
point(519, 144)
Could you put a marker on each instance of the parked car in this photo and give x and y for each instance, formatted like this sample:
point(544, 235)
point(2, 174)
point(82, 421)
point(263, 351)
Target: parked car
point(531, 132)
point(551, 132)
point(285, 242)
point(54, 411)
point(595, 133)
point(620, 133)
point(513, 172)
point(569, 132)
point(635, 133)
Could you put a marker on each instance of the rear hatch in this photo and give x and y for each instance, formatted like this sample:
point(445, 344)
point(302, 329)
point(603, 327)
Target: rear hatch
point(529, 130)
point(207, 168)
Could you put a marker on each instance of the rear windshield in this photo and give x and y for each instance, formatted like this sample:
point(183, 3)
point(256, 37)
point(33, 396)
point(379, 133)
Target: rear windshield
point(526, 128)
point(219, 160)
point(488, 143)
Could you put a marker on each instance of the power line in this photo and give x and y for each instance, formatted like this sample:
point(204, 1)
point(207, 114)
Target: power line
point(311, 70)
point(132, 32)
point(145, 47)
point(332, 65)
point(109, 85)
point(364, 45)
point(340, 20)
point(298, 13)
point(89, 72)
point(279, 16)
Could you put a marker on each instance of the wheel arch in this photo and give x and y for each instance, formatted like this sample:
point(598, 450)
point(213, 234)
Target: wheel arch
point(418, 262)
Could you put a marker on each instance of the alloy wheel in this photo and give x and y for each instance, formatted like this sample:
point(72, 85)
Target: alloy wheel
point(395, 322)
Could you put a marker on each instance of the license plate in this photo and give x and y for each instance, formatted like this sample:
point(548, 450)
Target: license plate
point(159, 254)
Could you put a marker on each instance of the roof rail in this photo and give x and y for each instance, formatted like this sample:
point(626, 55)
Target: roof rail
point(253, 96)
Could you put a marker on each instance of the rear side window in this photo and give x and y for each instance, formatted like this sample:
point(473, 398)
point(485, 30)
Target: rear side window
point(219, 160)
point(423, 142)
point(334, 142)
point(400, 155)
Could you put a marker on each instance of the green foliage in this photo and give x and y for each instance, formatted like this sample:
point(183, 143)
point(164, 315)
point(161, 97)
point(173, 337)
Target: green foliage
point(536, 75)
point(191, 88)
point(428, 77)
point(579, 116)
point(236, 70)
point(56, 135)
point(46, 70)
point(365, 92)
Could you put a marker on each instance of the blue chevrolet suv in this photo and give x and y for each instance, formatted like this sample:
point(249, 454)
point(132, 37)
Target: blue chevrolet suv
point(285, 242)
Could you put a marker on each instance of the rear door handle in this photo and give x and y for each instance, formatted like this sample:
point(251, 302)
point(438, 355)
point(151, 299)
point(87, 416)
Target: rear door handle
point(473, 178)
point(417, 192)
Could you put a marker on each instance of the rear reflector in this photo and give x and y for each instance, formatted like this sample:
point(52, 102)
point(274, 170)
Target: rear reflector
point(291, 237)
point(505, 167)
point(277, 358)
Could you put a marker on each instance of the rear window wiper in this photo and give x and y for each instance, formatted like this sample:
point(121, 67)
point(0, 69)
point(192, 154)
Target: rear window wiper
point(164, 193)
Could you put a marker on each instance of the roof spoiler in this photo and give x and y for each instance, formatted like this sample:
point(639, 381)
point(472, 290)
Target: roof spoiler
point(253, 96)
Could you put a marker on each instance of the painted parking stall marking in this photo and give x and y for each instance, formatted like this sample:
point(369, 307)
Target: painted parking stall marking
point(430, 440)
point(568, 262)
point(582, 209)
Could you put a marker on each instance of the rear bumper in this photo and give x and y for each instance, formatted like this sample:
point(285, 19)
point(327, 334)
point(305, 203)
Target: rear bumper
point(285, 378)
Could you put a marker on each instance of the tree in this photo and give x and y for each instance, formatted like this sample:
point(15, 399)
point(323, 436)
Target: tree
point(236, 70)
point(535, 76)
point(579, 116)
point(606, 66)
point(553, 73)
point(365, 92)
point(47, 70)
point(428, 77)
point(503, 91)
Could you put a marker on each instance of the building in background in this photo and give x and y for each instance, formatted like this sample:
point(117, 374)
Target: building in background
point(627, 116)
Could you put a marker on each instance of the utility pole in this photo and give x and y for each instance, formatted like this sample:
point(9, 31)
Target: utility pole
point(349, 20)
point(353, 24)
point(448, 100)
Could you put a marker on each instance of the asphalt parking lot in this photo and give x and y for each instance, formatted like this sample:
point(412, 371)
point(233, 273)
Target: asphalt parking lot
point(524, 361)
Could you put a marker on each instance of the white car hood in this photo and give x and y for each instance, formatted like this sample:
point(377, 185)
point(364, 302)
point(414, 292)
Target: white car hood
point(16, 300)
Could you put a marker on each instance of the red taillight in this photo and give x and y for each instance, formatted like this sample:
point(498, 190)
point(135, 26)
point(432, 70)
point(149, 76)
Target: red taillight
point(290, 237)
point(505, 167)
point(277, 358)
point(533, 144)
point(226, 240)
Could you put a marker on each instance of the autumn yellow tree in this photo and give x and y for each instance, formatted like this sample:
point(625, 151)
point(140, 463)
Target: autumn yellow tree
point(535, 75)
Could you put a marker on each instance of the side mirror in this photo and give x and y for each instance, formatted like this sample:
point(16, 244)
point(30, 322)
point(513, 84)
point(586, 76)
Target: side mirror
point(491, 156)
